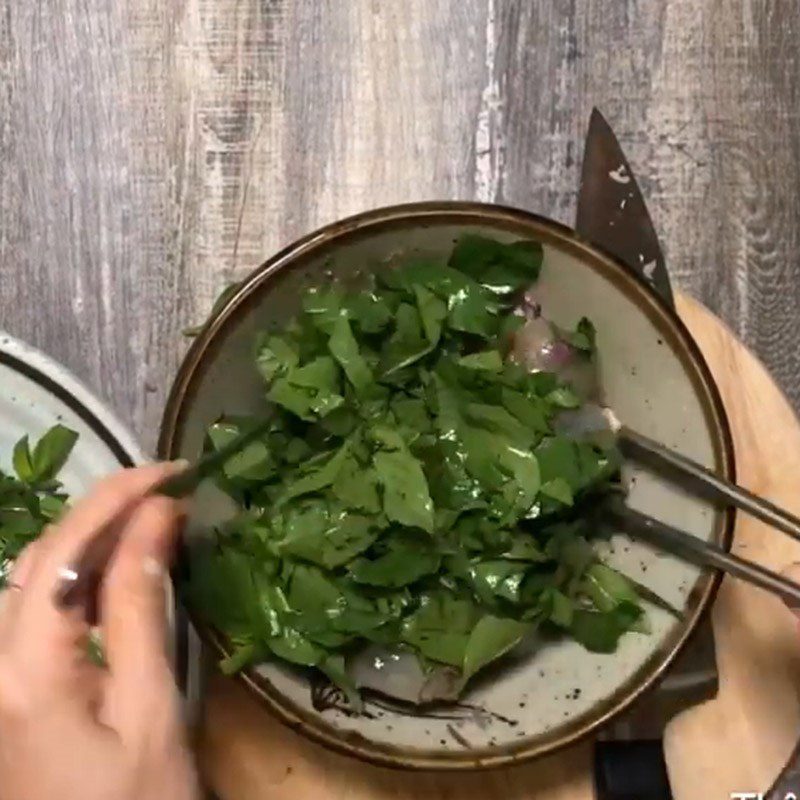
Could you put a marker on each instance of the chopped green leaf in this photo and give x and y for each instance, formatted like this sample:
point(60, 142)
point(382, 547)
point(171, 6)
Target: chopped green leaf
point(582, 338)
point(561, 609)
point(412, 491)
point(309, 390)
point(558, 489)
point(432, 312)
point(440, 628)
point(344, 348)
point(276, 355)
point(253, 463)
point(488, 360)
point(406, 498)
point(491, 638)
point(327, 539)
point(564, 397)
point(369, 312)
point(407, 344)
point(600, 632)
point(317, 476)
point(608, 588)
point(503, 268)
point(405, 560)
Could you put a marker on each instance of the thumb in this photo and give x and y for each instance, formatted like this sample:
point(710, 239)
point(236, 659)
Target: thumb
point(133, 612)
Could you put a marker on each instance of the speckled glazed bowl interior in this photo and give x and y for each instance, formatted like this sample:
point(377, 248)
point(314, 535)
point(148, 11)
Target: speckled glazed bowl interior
point(652, 375)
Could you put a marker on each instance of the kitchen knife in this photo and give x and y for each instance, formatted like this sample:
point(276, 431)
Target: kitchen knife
point(611, 210)
point(629, 759)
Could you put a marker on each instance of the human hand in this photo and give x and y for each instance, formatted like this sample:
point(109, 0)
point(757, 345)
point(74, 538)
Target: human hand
point(70, 729)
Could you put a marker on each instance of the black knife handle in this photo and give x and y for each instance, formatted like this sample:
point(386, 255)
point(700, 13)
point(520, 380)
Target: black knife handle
point(632, 770)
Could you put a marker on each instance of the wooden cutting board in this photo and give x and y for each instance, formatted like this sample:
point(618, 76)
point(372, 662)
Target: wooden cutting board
point(745, 735)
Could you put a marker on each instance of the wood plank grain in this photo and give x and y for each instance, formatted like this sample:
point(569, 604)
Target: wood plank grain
point(69, 264)
point(153, 150)
point(382, 101)
point(704, 99)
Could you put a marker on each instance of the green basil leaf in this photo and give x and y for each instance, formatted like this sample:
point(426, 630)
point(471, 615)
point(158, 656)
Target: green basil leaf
point(407, 344)
point(317, 477)
point(23, 462)
point(370, 312)
point(344, 348)
point(558, 489)
point(600, 632)
point(406, 560)
point(276, 355)
point(564, 397)
point(329, 540)
point(440, 628)
point(51, 453)
point(562, 609)
point(406, 497)
point(491, 638)
point(253, 463)
point(582, 338)
point(487, 360)
point(502, 268)
point(432, 312)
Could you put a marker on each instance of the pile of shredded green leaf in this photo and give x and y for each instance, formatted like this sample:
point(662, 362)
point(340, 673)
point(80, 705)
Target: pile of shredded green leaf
point(412, 492)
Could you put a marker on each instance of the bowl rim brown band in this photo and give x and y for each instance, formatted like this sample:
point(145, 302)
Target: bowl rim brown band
point(529, 225)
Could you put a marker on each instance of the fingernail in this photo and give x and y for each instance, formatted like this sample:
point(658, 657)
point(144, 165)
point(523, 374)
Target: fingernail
point(152, 567)
point(180, 464)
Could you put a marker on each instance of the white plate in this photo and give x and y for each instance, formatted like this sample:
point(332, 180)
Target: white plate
point(37, 393)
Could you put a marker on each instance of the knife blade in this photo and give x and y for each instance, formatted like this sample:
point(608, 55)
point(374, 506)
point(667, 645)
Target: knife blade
point(611, 210)
point(612, 214)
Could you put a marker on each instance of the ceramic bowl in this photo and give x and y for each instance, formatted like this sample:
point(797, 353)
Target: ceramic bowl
point(654, 377)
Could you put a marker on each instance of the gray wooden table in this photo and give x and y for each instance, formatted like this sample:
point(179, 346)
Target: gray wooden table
point(151, 150)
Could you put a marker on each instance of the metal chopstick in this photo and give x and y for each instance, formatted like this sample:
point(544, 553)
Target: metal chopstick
point(643, 449)
point(701, 552)
point(700, 480)
point(80, 582)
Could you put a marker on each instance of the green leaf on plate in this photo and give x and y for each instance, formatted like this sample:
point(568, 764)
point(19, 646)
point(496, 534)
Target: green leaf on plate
point(404, 561)
point(503, 268)
point(51, 453)
point(486, 360)
point(23, 461)
point(345, 350)
point(491, 638)
point(406, 497)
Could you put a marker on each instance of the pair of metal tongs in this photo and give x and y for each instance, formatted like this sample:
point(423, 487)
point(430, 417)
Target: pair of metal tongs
point(704, 483)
